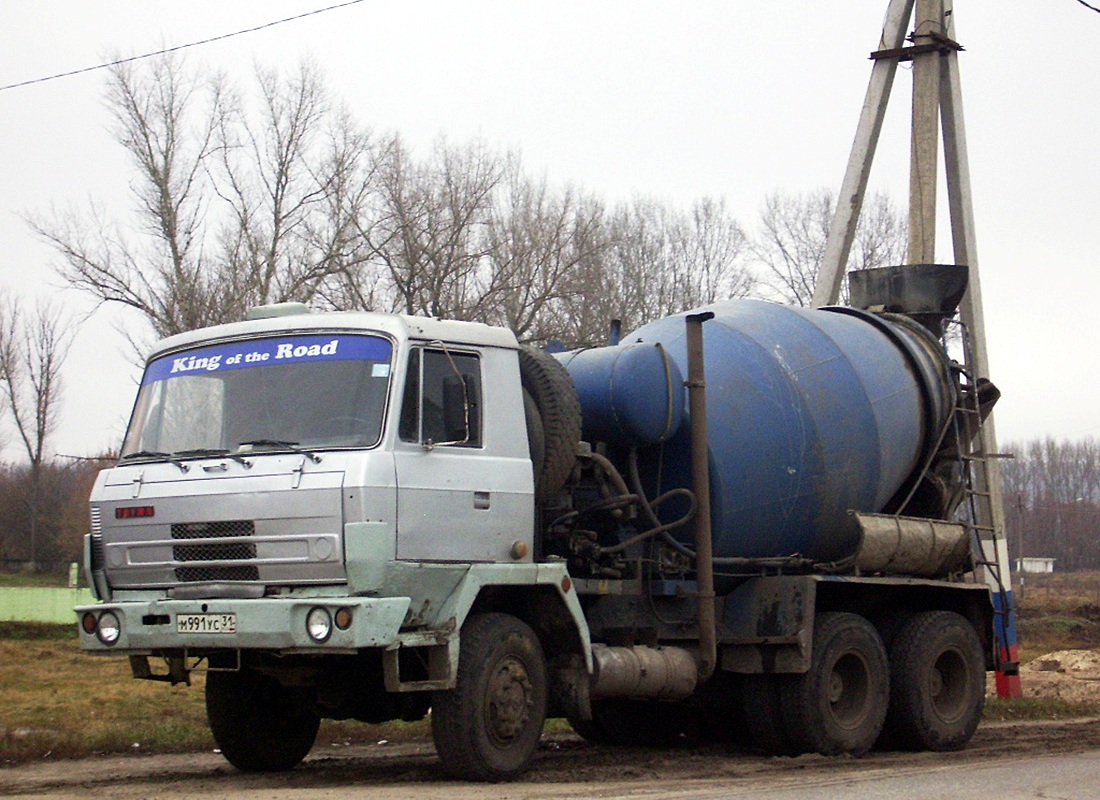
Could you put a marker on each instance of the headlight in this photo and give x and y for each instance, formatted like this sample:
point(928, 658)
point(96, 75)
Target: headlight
point(109, 628)
point(319, 624)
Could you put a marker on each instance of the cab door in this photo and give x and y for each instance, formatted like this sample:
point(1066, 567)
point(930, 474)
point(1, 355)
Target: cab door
point(456, 497)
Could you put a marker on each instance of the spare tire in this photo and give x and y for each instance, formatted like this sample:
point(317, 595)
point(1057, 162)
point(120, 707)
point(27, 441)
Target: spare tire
point(550, 386)
point(536, 437)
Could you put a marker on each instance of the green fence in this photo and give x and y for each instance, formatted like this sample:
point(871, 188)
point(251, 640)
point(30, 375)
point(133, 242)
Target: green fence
point(42, 605)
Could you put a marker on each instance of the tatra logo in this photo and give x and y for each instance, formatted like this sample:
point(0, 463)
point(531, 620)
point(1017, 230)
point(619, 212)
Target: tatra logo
point(134, 512)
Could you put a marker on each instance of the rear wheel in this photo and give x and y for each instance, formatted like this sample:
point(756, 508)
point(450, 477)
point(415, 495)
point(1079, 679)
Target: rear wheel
point(937, 683)
point(488, 726)
point(716, 713)
point(259, 724)
point(839, 704)
point(767, 729)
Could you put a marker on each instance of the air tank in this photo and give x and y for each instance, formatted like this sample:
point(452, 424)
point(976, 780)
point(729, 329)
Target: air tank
point(811, 414)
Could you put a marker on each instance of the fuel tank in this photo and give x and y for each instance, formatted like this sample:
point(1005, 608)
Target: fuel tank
point(812, 414)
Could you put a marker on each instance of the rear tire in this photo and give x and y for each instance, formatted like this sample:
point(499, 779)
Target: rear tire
point(259, 724)
point(767, 729)
point(488, 726)
point(839, 704)
point(937, 683)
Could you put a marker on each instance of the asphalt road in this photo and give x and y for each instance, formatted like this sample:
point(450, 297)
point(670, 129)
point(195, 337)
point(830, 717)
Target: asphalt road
point(1006, 761)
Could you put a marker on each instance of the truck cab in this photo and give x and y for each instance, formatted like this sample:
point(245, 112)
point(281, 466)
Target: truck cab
point(252, 446)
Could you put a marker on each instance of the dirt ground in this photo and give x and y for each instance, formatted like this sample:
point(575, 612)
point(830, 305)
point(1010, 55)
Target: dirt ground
point(566, 766)
point(1070, 675)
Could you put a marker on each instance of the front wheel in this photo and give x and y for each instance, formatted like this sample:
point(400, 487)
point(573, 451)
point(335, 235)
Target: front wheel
point(488, 726)
point(259, 724)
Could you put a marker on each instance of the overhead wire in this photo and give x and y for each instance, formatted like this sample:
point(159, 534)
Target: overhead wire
point(165, 51)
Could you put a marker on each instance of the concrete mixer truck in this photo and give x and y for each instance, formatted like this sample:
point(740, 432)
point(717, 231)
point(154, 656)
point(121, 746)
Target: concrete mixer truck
point(741, 522)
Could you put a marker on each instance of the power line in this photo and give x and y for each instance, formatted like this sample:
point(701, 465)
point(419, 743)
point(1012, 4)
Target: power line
point(177, 47)
point(1090, 7)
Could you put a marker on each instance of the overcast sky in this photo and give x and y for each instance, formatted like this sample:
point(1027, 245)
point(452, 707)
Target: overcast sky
point(672, 100)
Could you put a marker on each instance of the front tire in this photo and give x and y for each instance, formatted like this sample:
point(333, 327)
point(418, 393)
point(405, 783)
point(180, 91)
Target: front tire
point(488, 726)
point(937, 683)
point(259, 724)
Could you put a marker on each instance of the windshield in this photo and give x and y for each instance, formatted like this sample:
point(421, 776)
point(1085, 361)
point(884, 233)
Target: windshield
point(315, 391)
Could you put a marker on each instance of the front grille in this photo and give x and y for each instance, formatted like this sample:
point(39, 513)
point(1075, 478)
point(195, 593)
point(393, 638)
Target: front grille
point(231, 551)
point(205, 574)
point(213, 530)
point(215, 551)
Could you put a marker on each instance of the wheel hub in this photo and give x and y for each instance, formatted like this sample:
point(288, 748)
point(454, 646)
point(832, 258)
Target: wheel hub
point(836, 687)
point(935, 683)
point(510, 698)
point(848, 690)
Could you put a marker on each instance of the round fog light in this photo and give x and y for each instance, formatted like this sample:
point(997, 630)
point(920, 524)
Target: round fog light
point(319, 624)
point(109, 628)
point(88, 622)
point(343, 618)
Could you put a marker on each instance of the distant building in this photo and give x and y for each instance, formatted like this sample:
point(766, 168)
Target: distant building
point(1030, 564)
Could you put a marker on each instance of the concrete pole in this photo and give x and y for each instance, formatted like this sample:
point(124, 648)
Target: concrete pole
point(923, 164)
point(842, 231)
point(993, 543)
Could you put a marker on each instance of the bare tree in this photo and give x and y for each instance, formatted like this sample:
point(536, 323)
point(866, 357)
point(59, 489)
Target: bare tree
point(537, 240)
point(658, 260)
point(284, 174)
point(426, 230)
point(1052, 500)
point(33, 347)
point(166, 120)
point(790, 242)
point(286, 198)
point(234, 206)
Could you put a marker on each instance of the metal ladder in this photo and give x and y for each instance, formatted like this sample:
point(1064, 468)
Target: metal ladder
point(983, 521)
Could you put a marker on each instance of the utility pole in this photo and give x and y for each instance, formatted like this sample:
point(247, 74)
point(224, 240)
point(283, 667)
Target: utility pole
point(936, 106)
point(924, 139)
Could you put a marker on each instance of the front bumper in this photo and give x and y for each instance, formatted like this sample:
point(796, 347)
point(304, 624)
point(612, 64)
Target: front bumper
point(278, 624)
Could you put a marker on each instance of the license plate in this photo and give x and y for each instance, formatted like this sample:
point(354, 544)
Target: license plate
point(206, 623)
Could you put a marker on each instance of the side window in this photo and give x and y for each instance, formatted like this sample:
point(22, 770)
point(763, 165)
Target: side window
point(409, 428)
point(442, 399)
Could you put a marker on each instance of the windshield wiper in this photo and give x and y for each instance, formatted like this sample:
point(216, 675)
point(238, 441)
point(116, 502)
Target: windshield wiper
point(156, 454)
point(213, 452)
point(316, 459)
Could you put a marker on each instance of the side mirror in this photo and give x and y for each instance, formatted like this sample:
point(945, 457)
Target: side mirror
point(458, 408)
